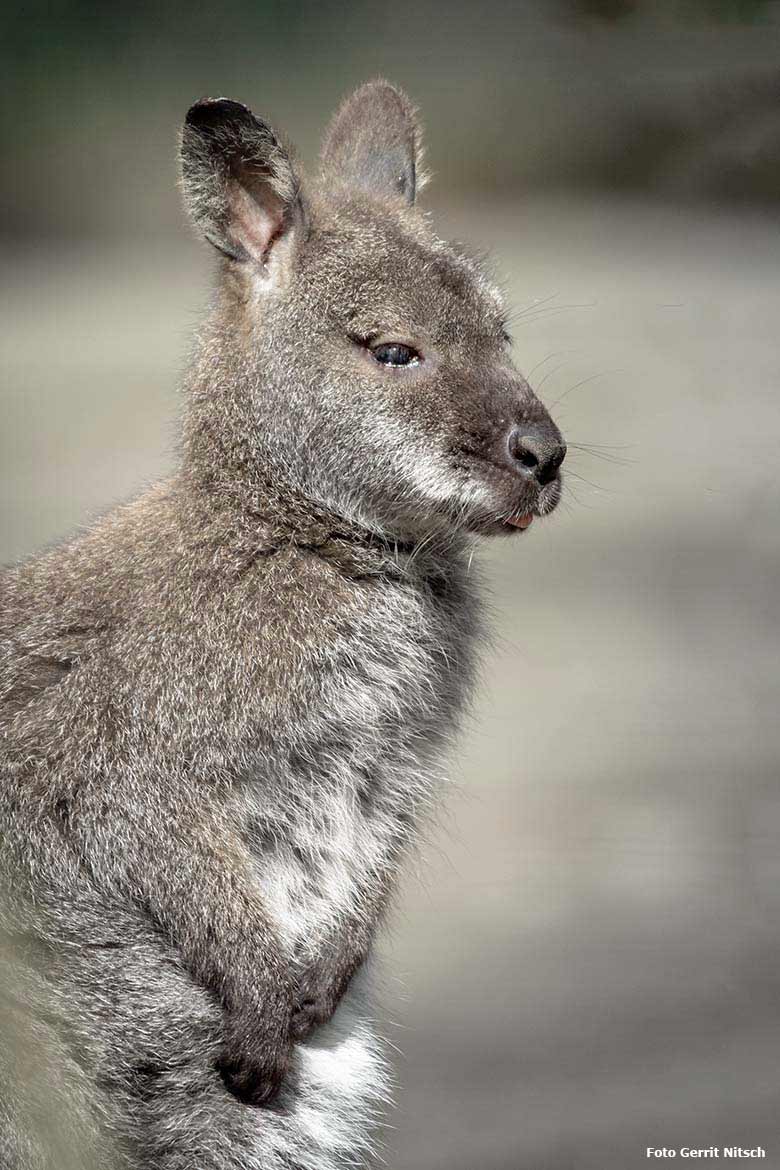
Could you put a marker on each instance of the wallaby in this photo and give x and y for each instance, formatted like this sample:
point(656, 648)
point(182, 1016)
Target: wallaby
point(224, 707)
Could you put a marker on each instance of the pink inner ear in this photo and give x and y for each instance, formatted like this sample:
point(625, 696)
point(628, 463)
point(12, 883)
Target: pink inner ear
point(255, 220)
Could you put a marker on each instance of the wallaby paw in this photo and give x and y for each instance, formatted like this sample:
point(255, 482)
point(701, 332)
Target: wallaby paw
point(254, 1072)
point(309, 1015)
point(319, 991)
point(252, 1083)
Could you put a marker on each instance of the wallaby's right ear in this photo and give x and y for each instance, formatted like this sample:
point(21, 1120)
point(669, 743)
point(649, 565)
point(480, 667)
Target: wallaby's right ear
point(239, 184)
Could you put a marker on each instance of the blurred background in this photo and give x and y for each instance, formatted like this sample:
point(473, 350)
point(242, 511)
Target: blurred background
point(586, 960)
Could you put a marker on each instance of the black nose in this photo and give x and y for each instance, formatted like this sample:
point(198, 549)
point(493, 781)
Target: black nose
point(541, 453)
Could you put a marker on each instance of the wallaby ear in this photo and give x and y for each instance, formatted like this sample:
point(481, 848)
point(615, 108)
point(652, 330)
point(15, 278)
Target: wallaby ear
point(239, 184)
point(374, 143)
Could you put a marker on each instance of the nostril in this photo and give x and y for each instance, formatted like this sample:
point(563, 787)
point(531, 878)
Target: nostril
point(522, 449)
point(539, 454)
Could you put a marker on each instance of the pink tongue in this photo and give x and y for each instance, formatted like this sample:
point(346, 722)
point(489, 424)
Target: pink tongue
point(521, 521)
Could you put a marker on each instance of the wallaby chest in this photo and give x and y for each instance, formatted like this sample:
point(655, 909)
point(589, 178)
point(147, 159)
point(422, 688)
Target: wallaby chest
point(341, 782)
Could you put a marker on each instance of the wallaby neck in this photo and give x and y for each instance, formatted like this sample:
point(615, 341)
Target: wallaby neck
point(274, 516)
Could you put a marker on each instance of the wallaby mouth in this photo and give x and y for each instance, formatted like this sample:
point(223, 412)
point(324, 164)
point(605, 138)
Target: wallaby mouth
point(546, 502)
point(516, 515)
point(521, 522)
point(519, 493)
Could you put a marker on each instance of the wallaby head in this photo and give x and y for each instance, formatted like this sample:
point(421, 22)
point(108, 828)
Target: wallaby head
point(353, 356)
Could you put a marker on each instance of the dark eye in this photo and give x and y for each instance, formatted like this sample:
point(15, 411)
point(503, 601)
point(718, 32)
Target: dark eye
point(394, 354)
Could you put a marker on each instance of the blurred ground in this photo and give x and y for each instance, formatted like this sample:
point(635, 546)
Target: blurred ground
point(587, 962)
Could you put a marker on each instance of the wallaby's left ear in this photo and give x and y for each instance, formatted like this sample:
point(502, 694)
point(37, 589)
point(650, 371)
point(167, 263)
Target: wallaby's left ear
point(239, 184)
point(374, 144)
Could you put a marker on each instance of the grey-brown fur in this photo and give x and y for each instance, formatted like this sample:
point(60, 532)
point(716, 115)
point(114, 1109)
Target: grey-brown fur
point(223, 708)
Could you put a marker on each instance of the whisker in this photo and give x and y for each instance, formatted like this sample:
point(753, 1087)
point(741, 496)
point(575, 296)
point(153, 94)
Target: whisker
point(538, 366)
point(596, 486)
point(550, 374)
point(584, 382)
point(608, 446)
point(570, 492)
point(536, 303)
point(606, 455)
point(531, 315)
